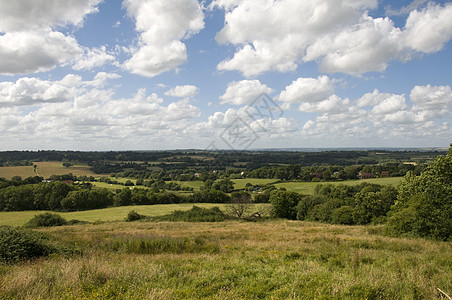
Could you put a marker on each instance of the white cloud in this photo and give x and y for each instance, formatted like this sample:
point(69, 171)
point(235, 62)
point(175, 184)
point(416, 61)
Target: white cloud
point(182, 91)
point(34, 51)
point(431, 97)
point(339, 35)
point(332, 104)
point(372, 99)
point(308, 90)
point(32, 91)
point(244, 92)
point(366, 46)
point(429, 29)
point(162, 26)
point(92, 58)
point(391, 104)
point(30, 42)
point(22, 15)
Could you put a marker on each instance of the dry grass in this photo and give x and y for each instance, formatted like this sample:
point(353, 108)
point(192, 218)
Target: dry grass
point(45, 169)
point(275, 259)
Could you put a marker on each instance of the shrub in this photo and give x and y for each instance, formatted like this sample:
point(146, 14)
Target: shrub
point(284, 204)
point(342, 215)
point(46, 220)
point(17, 244)
point(196, 214)
point(133, 216)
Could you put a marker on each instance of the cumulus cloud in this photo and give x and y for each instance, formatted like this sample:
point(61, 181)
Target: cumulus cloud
point(92, 58)
point(339, 35)
point(22, 15)
point(307, 90)
point(244, 92)
point(162, 26)
point(35, 51)
point(366, 46)
point(30, 44)
point(73, 109)
point(429, 29)
point(183, 91)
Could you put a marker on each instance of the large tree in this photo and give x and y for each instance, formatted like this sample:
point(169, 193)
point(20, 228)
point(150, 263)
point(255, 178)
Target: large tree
point(424, 203)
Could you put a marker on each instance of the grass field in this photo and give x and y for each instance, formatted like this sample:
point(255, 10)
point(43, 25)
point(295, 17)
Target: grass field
point(240, 183)
point(232, 260)
point(308, 187)
point(18, 218)
point(45, 169)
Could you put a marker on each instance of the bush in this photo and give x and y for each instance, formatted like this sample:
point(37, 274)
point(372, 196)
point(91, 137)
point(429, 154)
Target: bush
point(46, 220)
point(196, 214)
point(17, 244)
point(342, 215)
point(133, 216)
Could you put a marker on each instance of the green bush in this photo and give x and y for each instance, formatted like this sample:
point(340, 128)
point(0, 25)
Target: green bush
point(133, 216)
point(46, 220)
point(424, 203)
point(343, 215)
point(196, 214)
point(17, 244)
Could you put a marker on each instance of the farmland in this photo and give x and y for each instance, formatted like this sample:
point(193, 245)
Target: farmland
point(19, 218)
point(45, 169)
point(276, 259)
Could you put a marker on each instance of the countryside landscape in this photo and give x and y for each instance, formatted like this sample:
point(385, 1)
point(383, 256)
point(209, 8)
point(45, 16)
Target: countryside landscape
point(215, 225)
point(225, 149)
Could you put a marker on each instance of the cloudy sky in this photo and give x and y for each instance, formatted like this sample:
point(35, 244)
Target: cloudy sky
point(174, 74)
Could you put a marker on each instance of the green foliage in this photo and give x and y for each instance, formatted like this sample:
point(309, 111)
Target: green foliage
point(284, 204)
point(46, 220)
point(306, 204)
point(196, 214)
point(424, 203)
point(342, 215)
point(133, 216)
point(17, 244)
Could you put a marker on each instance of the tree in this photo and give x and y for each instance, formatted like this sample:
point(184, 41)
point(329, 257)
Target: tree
point(424, 203)
point(284, 204)
point(67, 164)
point(240, 204)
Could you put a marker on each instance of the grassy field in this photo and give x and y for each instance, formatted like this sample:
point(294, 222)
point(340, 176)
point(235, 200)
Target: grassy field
point(232, 260)
point(308, 187)
point(240, 183)
point(18, 218)
point(45, 169)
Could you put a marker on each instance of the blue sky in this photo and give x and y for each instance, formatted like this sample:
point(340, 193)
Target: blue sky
point(176, 74)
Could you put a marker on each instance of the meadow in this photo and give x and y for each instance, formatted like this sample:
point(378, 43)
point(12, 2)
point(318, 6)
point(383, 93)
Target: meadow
point(274, 259)
point(46, 169)
point(307, 188)
point(19, 218)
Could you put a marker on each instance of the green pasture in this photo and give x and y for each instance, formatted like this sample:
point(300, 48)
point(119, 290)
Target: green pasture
point(241, 183)
point(308, 187)
point(18, 218)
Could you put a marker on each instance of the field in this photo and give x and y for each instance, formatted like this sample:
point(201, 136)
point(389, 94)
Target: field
point(45, 169)
point(18, 218)
point(232, 260)
point(307, 188)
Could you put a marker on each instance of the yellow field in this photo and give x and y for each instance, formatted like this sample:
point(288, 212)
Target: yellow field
point(45, 169)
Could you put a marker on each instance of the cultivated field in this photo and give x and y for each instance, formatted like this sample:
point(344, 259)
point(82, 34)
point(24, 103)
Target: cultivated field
point(45, 169)
point(232, 260)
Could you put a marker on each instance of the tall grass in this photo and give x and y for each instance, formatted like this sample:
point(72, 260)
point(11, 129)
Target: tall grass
point(233, 260)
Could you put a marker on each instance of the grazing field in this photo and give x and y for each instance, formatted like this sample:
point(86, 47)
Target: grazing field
point(240, 183)
point(232, 260)
point(308, 187)
point(22, 171)
point(18, 218)
point(45, 169)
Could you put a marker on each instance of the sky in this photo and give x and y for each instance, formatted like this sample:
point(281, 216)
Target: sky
point(224, 74)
